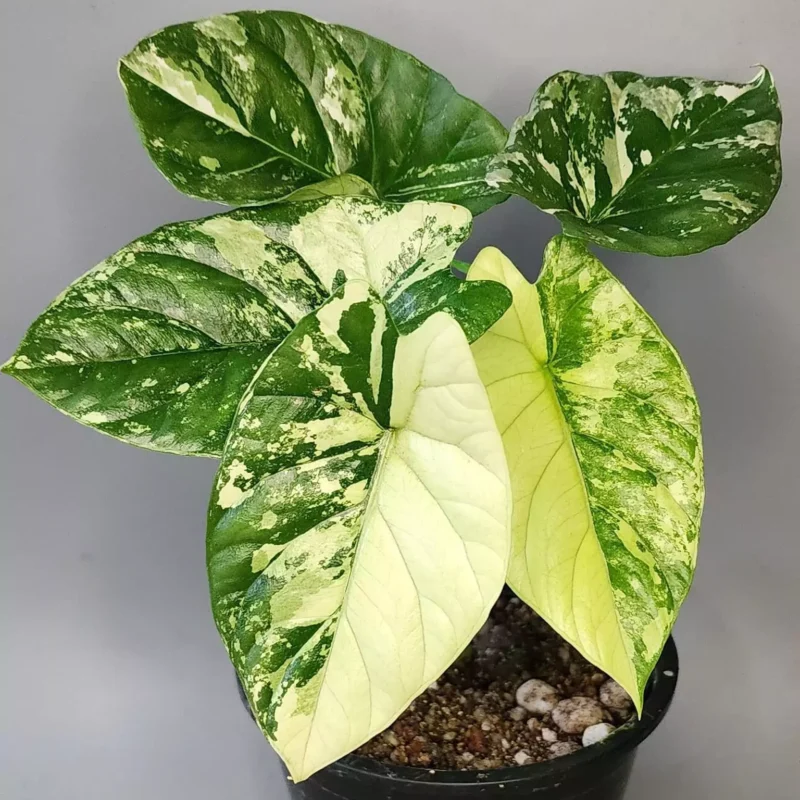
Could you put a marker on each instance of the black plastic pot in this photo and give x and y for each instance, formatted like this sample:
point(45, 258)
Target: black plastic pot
point(599, 772)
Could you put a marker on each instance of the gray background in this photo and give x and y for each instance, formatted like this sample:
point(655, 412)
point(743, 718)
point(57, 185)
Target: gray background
point(114, 682)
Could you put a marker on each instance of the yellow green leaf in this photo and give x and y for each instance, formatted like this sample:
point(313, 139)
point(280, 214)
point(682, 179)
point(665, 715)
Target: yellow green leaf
point(602, 433)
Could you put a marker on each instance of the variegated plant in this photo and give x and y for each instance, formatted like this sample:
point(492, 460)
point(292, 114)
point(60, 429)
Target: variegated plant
point(667, 166)
point(600, 423)
point(156, 345)
point(261, 106)
point(602, 433)
point(381, 479)
point(358, 528)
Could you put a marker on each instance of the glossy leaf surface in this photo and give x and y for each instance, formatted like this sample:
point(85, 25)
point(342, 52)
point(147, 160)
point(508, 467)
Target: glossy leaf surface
point(667, 166)
point(156, 345)
point(259, 106)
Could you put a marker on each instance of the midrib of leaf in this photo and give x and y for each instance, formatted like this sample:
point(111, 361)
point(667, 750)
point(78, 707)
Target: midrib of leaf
point(439, 505)
point(566, 433)
point(252, 168)
point(374, 487)
point(568, 438)
point(412, 190)
point(198, 351)
point(394, 53)
point(265, 46)
point(89, 307)
point(384, 448)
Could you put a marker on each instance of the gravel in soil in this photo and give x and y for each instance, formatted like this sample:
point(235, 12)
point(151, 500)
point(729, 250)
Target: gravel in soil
point(519, 694)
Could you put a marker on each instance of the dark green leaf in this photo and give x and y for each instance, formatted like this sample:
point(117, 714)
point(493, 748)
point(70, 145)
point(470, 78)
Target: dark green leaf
point(259, 106)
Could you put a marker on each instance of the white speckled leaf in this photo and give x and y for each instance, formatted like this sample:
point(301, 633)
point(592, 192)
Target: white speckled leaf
point(348, 567)
point(156, 345)
point(602, 433)
point(667, 166)
point(251, 107)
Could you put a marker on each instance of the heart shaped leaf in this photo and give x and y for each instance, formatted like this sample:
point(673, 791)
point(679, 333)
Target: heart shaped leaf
point(348, 568)
point(667, 166)
point(602, 434)
point(156, 345)
point(248, 108)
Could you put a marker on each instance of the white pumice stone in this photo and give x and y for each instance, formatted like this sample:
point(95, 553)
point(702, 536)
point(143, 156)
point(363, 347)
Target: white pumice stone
point(537, 697)
point(596, 733)
point(390, 738)
point(564, 748)
point(522, 757)
point(576, 714)
point(549, 735)
point(612, 695)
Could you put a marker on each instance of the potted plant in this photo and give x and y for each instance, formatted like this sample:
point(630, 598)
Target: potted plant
point(397, 443)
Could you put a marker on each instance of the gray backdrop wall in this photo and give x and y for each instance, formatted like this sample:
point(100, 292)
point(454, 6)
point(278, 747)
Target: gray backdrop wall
point(114, 682)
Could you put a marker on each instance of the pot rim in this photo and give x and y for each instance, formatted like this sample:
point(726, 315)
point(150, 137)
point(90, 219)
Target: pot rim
point(659, 694)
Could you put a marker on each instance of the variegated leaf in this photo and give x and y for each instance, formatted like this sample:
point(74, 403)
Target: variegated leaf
point(252, 107)
point(359, 525)
point(602, 434)
point(667, 166)
point(156, 345)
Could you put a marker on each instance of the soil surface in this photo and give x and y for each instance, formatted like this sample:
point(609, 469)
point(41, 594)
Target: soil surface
point(519, 694)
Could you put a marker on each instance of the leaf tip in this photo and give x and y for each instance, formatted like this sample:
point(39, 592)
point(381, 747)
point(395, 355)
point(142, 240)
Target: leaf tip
point(486, 264)
point(8, 366)
point(763, 72)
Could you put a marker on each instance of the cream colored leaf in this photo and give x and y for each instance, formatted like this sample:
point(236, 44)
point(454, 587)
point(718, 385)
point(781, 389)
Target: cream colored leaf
point(359, 529)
